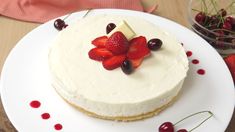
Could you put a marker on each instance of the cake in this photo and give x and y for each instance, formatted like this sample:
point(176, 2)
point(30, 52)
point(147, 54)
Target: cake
point(111, 94)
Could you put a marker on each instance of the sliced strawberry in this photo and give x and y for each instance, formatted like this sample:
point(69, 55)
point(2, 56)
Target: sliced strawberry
point(138, 48)
point(113, 62)
point(136, 62)
point(99, 54)
point(117, 43)
point(230, 61)
point(100, 41)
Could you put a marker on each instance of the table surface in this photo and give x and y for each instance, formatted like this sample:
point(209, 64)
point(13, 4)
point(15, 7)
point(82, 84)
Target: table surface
point(13, 30)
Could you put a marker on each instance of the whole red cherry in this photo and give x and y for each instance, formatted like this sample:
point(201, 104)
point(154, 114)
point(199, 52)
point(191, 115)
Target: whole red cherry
point(182, 130)
point(200, 17)
point(227, 26)
point(166, 127)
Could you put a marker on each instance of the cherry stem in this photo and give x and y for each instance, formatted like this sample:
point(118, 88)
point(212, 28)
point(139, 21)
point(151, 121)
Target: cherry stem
point(230, 5)
point(211, 114)
point(67, 16)
point(87, 13)
point(204, 5)
point(221, 20)
point(82, 16)
point(200, 11)
point(196, 10)
point(214, 5)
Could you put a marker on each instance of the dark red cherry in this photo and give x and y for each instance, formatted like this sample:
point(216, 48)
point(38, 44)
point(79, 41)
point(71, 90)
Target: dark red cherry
point(200, 17)
point(127, 67)
point(182, 130)
point(227, 26)
point(110, 27)
point(166, 127)
point(230, 20)
point(59, 24)
point(214, 19)
point(233, 27)
point(154, 44)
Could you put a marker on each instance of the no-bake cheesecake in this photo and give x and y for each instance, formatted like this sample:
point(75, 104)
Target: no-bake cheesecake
point(111, 94)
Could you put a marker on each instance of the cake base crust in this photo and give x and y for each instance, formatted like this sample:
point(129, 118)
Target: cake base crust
point(124, 118)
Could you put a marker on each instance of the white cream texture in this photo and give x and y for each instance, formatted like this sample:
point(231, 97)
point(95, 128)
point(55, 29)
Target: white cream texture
point(85, 83)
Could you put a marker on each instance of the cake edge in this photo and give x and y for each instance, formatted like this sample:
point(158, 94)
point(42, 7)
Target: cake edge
point(122, 118)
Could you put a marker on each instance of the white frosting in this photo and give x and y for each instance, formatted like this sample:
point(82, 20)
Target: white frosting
point(85, 83)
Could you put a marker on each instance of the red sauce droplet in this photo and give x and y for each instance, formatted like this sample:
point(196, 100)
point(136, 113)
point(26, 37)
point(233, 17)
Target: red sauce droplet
point(58, 126)
point(35, 104)
point(45, 116)
point(201, 72)
point(189, 53)
point(195, 61)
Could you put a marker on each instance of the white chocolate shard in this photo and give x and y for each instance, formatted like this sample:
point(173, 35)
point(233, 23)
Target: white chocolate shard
point(125, 29)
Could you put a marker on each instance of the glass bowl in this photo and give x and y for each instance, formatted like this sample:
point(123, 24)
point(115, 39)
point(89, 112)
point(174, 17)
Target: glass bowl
point(214, 20)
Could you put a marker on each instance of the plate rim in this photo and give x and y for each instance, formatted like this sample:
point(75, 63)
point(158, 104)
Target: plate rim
point(102, 11)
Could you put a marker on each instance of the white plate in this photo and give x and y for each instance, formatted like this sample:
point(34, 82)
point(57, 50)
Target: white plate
point(25, 77)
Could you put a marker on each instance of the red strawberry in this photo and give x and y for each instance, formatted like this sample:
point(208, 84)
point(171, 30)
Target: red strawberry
point(99, 54)
point(113, 62)
point(136, 62)
point(100, 41)
point(138, 48)
point(230, 61)
point(117, 43)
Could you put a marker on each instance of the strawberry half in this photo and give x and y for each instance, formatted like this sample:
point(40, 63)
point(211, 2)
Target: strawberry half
point(136, 62)
point(117, 43)
point(99, 54)
point(100, 41)
point(230, 61)
point(113, 62)
point(138, 48)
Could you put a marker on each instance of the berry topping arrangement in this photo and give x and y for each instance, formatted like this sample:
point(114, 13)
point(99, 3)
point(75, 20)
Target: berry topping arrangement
point(169, 127)
point(121, 48)
point(216, 24)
